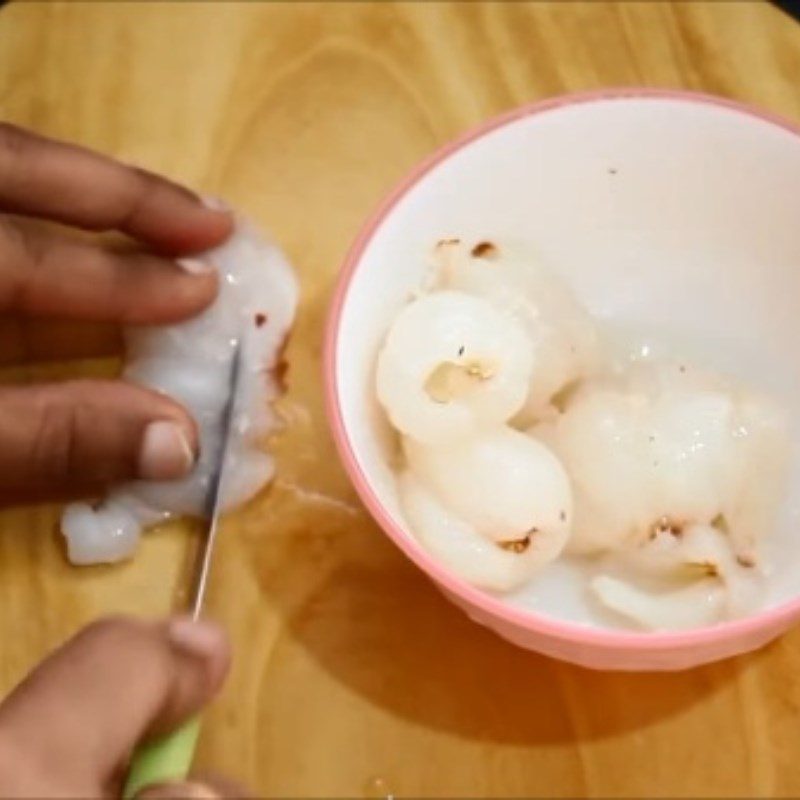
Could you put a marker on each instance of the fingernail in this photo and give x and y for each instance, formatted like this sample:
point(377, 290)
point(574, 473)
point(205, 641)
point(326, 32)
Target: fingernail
point(165, 452)
point(197, 638)
point(191, 790)
point(195, 266)
point(215, 204)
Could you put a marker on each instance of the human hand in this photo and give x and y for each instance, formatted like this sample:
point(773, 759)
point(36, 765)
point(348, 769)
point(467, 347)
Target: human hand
point(69, 728)
point(65, 296)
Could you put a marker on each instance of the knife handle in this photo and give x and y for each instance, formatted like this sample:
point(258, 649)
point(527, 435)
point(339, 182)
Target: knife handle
point(167, 758)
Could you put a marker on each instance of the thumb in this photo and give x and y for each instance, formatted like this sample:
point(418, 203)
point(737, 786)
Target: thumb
point(71, 725)
point(65, 438)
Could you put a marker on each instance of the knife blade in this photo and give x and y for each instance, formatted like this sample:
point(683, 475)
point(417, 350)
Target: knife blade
point(169, 757)
point(216, 488)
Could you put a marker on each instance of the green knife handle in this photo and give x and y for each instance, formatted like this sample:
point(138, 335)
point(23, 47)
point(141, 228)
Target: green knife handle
point(167, 758)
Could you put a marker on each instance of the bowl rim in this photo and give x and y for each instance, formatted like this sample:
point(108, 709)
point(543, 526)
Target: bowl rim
point(532, 621)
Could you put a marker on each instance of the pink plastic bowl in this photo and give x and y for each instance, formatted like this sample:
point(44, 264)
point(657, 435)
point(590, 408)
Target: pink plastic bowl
point(669, 209)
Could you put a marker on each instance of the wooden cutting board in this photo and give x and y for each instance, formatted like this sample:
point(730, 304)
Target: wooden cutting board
point(353, 676)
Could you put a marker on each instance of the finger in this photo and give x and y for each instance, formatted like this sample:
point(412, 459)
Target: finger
point(77, 717)
point(202, 788)
point(44, 273)
point(25, 340)
point(59, 436)
point(181, 790)
point(223, 786)
point(70, 184)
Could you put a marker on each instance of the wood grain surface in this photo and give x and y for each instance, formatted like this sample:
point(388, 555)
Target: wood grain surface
point(353, 676)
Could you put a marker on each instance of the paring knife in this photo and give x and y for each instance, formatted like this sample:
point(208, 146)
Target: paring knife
point(169, 757)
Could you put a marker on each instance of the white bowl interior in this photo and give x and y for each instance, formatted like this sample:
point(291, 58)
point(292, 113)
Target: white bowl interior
point(664, 214)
